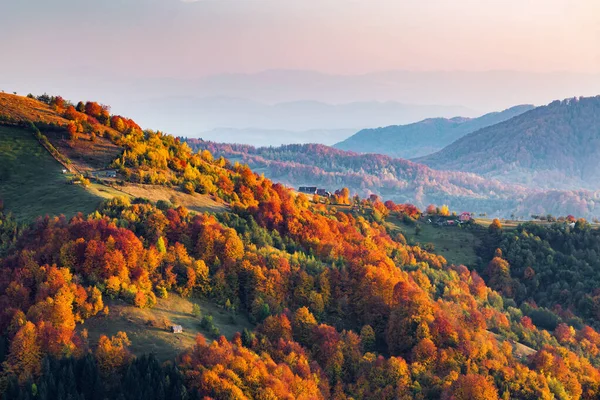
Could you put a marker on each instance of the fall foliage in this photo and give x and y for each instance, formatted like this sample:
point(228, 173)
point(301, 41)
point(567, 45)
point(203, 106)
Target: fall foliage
point(342, 309)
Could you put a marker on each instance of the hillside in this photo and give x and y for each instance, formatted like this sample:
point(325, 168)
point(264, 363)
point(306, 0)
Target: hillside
point(401, 180)
point(549, 264)
point(554, 146)
point(31, 180)
point(146, 328)
point(331, 304)
point(424, 137)
point(396, 179)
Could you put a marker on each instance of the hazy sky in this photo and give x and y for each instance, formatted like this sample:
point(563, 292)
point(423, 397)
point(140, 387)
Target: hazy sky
point(168, 38)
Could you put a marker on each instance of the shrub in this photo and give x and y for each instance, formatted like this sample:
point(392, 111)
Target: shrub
point(196, 312)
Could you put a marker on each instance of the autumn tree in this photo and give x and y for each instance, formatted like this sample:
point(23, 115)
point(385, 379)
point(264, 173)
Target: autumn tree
point(498, 271)
point(72, 131)
point(24, 357)
point(471, 387)
point(112, 354)
point(303, 324)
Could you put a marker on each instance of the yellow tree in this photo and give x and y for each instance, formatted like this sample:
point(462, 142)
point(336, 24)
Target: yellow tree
point(24, 359)
point(112, 354)
point(444, 211)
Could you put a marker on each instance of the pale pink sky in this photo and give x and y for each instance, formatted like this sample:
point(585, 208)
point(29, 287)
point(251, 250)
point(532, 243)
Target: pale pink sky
point(172, 38)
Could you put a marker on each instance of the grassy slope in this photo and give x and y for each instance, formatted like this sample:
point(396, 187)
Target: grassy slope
point(29, 177)
point(195, 203)
point(455, 244)
point(153, 338)
point(26, 109)
point(31, 180)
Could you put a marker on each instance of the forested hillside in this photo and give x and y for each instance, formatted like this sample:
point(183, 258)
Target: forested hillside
point(401, 180)
point(554, 146)
point(343, 308)
point(552, 266)
point(424, 137)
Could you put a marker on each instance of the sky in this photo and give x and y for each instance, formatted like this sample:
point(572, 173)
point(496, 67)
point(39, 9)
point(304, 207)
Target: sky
point(168, 38)
point(232, 61)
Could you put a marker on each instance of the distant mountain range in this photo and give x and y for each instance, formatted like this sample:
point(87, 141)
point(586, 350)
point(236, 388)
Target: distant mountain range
point(190, 116)
point(424, 137)
point(485, 91)
point(275, 137)
point(554, 146)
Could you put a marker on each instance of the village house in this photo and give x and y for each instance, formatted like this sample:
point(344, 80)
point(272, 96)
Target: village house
point(176, 329)
point(465, 217)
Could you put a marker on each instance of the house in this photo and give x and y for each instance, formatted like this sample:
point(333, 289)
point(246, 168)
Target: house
point(465, 217)
point(111, 174)
point(323, 193)
point(308, 189)
point(176, 329)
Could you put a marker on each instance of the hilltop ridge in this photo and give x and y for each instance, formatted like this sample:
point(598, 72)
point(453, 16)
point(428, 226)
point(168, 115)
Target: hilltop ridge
point(554, 146)
point(423, 137)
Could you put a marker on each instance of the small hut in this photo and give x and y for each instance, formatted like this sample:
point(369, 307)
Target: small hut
point(176, 329)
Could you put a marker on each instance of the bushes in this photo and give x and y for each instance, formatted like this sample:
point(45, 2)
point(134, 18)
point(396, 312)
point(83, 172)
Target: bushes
point(208, 325)
point(196, 312)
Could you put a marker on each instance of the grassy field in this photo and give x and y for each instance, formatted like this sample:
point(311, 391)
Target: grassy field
point(506, 224)
point(455, 244)
point(106, 192)
point(194, 202)
point(145, 329)
point(32, 182)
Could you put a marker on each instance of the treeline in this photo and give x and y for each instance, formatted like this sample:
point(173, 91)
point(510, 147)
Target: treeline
point(46, 143)
point(83, 379)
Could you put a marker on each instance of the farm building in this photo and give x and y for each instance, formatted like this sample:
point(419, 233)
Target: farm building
point(108, 173)
point(323, 193)
point(176, 329)
point(465, 217)
point(308, 189)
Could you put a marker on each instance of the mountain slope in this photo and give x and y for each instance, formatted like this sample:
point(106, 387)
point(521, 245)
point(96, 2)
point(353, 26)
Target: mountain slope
point(424, 137)
point(553, 146)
